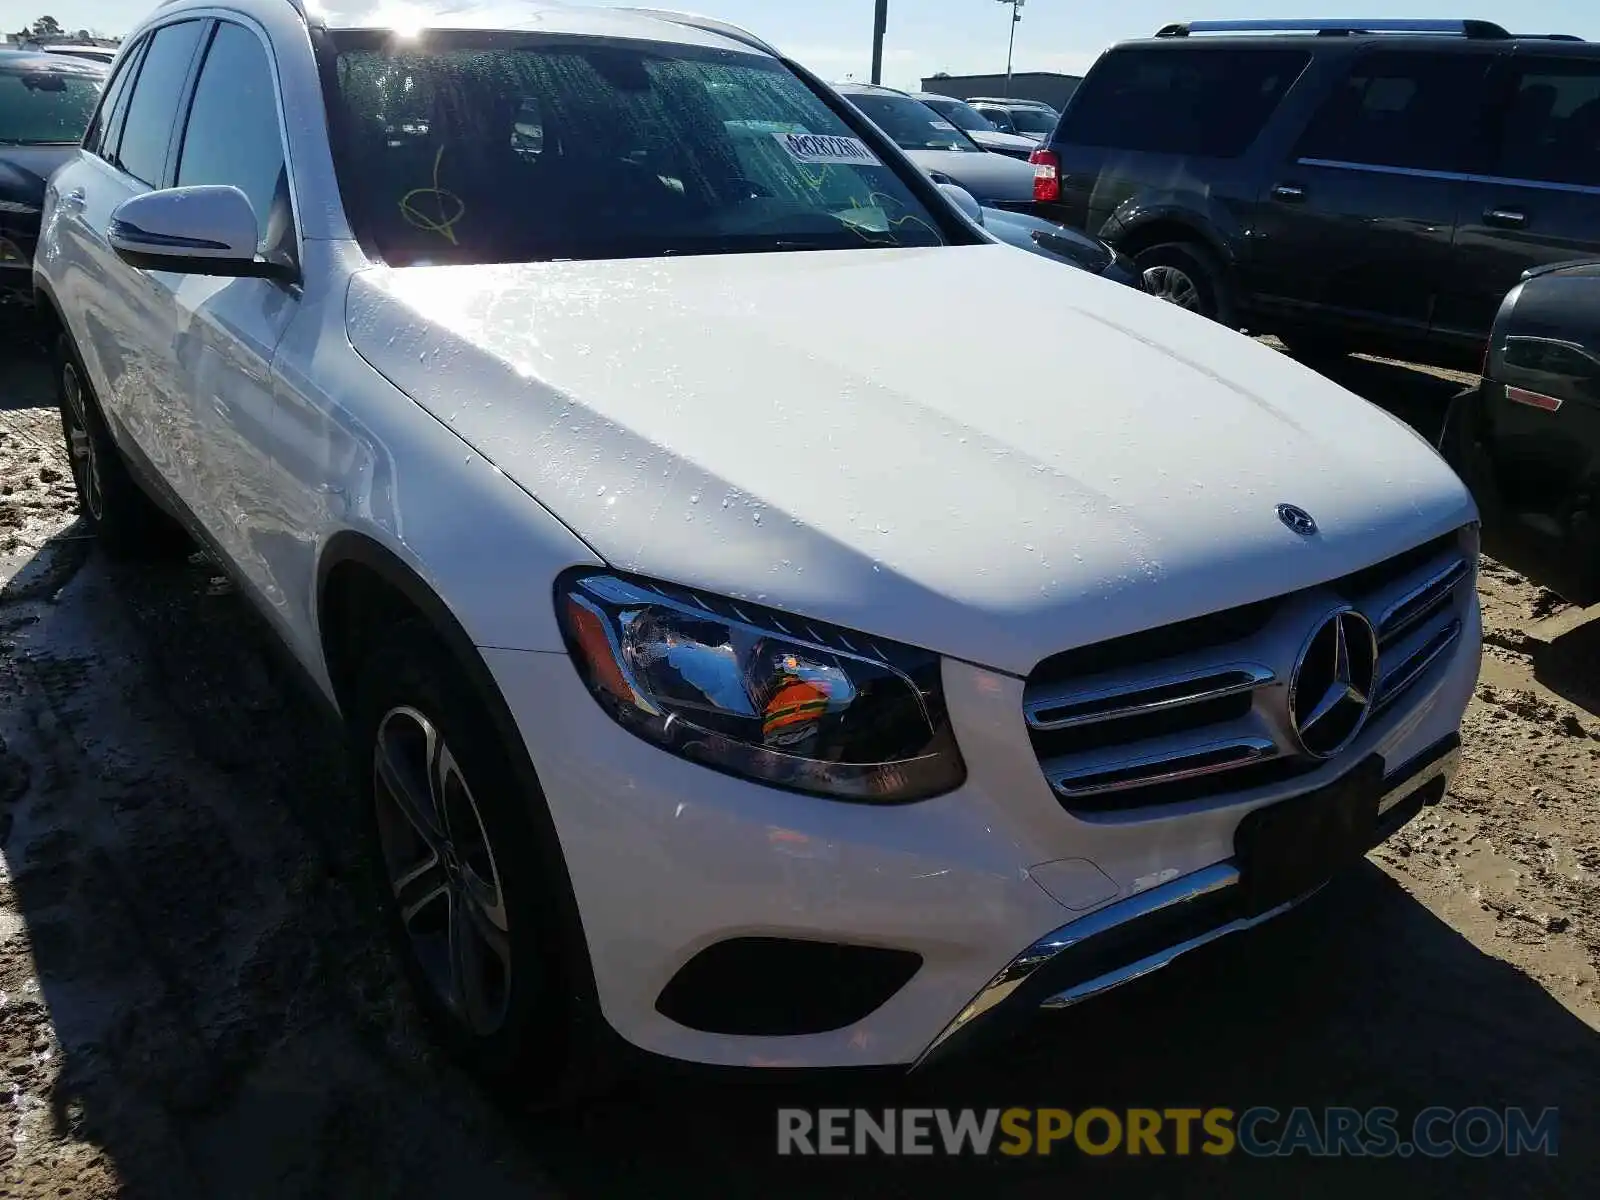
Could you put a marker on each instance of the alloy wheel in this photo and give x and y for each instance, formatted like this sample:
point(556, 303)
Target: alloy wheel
point(1173, 285)
point(80, 443)
point(442, 869)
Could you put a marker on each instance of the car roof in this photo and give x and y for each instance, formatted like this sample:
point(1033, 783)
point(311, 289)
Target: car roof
point(1012, 103)
point(534, 16)
point(1328, 34)
point(60, 64)
point(870, 89)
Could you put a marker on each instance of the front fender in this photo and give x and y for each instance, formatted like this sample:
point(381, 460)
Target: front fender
point(1201, 218)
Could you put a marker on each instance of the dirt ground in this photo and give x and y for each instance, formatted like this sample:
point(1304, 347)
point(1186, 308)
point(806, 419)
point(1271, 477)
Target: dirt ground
point(194, 1001)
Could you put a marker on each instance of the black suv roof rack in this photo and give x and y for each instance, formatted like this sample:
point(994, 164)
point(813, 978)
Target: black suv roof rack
point(1340, 28)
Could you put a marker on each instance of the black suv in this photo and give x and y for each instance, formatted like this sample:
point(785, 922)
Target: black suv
point(1346, 185)
point(1527, 439)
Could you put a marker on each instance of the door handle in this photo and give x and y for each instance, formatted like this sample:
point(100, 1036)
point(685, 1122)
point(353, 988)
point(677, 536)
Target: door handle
point(74, 199)
point(1506, 218)
point(1289, 193)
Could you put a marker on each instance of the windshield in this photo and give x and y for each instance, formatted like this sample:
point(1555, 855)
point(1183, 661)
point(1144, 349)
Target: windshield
point(962, 116)
point(1035, 120)
point(912, 124)
point(46, 107)
point(493, 148)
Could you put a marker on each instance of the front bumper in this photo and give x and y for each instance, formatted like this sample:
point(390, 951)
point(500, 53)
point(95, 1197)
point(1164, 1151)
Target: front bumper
point(1133, 937)
point(668, 859)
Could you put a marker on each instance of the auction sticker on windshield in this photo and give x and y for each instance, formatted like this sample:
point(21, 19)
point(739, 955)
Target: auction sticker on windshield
point(827, 148)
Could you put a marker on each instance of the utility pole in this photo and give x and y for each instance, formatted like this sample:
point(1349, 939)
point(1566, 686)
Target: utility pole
point(1016, 17)
point(880, 22)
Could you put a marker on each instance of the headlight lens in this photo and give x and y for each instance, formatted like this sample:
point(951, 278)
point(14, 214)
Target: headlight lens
point(761, 694)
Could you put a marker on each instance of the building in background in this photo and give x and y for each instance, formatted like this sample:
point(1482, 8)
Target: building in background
point(1049, 86)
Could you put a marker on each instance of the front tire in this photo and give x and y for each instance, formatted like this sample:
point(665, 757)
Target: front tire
point(1189, 276)
point(127, 522)
point(465, 881)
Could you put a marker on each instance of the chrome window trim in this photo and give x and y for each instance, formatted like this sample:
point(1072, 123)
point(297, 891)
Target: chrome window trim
point(1579, 189)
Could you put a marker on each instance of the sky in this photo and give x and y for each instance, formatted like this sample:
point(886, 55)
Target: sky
point(834, 37)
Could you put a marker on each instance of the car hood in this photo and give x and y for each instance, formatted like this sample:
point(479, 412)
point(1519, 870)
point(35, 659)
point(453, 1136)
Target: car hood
point(995, 140)
point(25, 169)
point(799, 429)
point(989, 177)
point(1054, 241)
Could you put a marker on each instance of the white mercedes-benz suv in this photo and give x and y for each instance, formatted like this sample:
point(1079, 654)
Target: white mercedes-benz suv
point(737, 667)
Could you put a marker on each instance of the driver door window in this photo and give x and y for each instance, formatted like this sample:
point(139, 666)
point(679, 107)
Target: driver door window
point(233, 135)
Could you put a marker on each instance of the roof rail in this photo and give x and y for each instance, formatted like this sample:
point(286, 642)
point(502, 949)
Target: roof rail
point(708, 25)
point(1339, 28)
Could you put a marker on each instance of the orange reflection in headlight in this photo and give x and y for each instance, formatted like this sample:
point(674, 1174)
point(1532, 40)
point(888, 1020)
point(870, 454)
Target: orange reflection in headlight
point(590, 632)
point(795, 702)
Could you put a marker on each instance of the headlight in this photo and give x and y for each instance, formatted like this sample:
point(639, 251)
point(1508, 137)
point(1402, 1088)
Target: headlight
point(761, 694)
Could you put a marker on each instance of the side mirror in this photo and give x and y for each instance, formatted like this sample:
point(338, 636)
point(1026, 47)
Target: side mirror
point(964, 200)
point(205, 230)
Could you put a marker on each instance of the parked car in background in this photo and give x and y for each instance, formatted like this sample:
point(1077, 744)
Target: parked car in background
point(1045, 238)
point(1375, 185)
point(936, 145)
point(45, 104)
point(739, 665)
point(1061, 244)
point(977, 126)
point(1022, 118)
point(1527, 439)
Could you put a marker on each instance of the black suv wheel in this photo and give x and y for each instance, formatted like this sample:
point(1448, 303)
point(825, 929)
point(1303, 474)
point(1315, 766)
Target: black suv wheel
point(1187, 275)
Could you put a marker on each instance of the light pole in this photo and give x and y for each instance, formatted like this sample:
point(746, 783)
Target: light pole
point(1016, 17)
point(880, 21)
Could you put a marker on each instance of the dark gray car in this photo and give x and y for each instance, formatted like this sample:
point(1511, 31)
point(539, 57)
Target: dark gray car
point(45, 104)
point(938, 147)
point(1527, 439)
point(977, 126)
point(1068, 246)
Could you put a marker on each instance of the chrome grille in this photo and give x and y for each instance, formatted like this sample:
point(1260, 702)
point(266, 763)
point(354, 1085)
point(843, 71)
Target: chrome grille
point(1200, 708)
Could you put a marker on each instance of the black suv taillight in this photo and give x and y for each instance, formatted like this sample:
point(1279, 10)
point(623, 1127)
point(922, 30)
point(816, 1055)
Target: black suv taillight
point(1046, 175)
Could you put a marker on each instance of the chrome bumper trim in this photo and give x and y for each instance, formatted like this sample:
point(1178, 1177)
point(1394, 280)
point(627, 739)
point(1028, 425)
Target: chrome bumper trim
point(1442, 761)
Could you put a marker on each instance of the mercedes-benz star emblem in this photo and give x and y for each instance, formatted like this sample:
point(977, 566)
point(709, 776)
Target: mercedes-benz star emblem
point(1330, 692)
point(1297, 519)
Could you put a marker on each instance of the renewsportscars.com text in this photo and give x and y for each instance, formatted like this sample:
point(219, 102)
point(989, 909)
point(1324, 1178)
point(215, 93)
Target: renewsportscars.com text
point(1257, 1132)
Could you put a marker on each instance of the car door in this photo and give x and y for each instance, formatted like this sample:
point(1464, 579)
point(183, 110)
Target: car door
point(1354, 230)
point(1538, 202)
point(89, 185)
point(127, 315)
point(226, 330)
